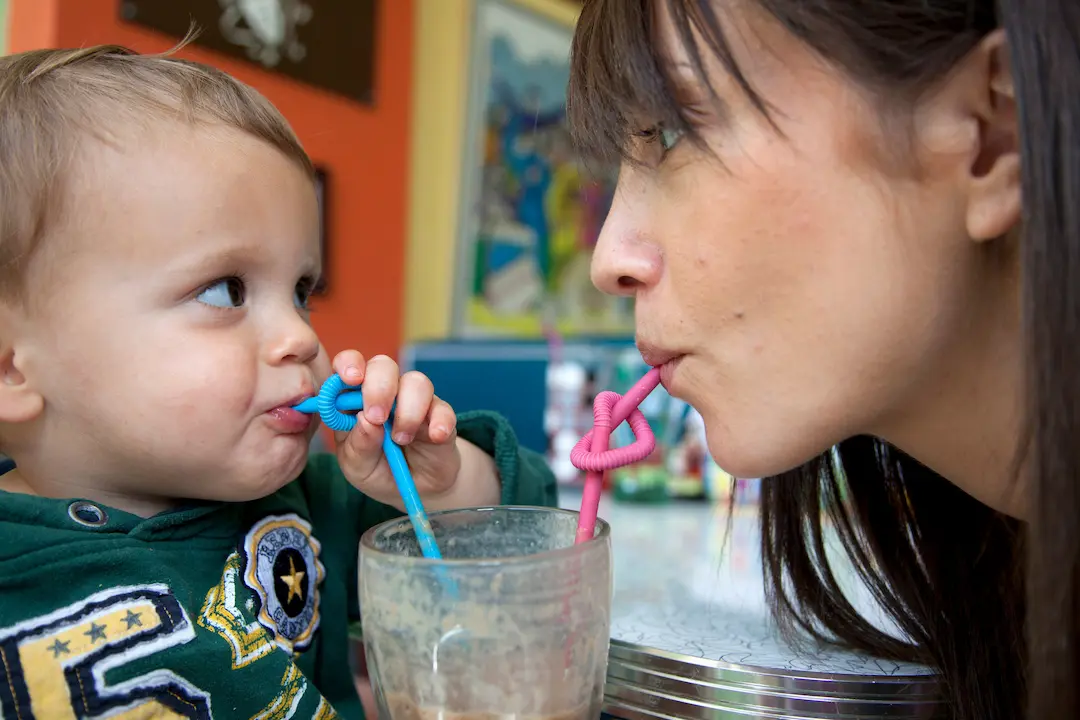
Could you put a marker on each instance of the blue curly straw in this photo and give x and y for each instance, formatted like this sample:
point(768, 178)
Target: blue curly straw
point(336, 396)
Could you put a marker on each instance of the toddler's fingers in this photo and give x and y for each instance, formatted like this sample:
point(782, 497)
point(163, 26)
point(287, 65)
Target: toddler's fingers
point(441, 425)
point(380, 388)
point(415, 394)
point(349, 364)
point(360, 450)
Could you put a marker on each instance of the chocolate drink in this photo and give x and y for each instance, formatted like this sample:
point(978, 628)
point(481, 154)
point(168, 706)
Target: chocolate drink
point(403, 708)
point(480, 679)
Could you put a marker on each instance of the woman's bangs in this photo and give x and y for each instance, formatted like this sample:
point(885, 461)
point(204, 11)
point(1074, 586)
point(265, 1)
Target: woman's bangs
point(621, 80)
point(616, 77)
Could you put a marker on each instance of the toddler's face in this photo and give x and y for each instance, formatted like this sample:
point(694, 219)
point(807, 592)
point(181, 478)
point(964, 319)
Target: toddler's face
point(169, 327)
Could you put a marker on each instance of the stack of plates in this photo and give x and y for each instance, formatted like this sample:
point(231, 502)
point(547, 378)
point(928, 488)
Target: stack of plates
point(692, 636)
point(662, 667)
point(648, 683)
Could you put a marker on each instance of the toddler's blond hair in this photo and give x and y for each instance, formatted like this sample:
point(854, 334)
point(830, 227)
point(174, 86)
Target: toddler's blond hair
point(50, 99)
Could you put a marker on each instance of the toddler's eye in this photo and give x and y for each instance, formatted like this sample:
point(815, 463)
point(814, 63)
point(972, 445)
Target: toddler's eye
point(303, 292)
point(224, 293)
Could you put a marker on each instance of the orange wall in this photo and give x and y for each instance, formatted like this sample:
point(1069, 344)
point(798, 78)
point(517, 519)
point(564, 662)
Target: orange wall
point(363, 149)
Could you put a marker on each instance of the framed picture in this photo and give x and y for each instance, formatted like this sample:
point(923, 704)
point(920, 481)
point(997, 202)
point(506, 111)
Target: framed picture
point(530, 214)
point(328, 44)
point(320, 192)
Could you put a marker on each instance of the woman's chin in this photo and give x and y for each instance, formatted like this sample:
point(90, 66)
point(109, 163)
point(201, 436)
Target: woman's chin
point(742, 459)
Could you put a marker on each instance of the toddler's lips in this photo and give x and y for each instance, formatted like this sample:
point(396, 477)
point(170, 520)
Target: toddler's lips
point(289, 421)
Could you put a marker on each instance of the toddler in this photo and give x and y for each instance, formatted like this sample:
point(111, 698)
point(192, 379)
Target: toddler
point(168, 548)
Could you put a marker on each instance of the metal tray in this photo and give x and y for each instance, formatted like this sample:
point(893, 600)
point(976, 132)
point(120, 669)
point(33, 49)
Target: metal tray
point(649, 683)
point(696, 660)
point(692, 637)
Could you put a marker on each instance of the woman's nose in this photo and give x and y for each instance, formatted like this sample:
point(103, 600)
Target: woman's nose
point(625, 261)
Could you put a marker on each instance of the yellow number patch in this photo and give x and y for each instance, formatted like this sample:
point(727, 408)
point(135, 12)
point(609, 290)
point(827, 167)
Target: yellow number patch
point(54, 666)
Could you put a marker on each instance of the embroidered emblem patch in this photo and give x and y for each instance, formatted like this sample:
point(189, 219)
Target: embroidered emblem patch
point(283, 569)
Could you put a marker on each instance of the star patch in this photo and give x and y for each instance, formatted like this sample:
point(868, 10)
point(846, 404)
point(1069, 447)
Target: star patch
point(282, 568)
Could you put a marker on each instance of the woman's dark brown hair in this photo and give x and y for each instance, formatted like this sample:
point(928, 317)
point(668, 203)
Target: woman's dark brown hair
point(991, 603)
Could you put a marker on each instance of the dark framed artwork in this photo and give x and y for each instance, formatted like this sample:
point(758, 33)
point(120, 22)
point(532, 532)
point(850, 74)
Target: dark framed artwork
point(328, 44)
point(321, 194)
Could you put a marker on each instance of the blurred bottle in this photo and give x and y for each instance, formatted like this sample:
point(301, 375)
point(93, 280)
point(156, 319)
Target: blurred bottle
point(566, 387)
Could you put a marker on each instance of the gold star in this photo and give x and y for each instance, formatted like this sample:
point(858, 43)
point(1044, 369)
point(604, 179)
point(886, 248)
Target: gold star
point(292, 581)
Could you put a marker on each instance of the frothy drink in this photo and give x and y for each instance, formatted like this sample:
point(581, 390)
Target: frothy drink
point(512, 624)
point(403, 708)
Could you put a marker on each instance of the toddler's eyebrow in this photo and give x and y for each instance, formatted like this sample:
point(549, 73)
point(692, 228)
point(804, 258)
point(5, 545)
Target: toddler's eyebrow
point(234, 256)
point(215, 259)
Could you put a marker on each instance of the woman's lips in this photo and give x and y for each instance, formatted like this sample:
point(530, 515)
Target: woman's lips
point(655, 356)
point(667, 360)
point(668, 369)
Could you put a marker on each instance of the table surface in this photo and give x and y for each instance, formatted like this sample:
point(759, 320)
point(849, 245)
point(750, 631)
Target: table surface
point(681, 590)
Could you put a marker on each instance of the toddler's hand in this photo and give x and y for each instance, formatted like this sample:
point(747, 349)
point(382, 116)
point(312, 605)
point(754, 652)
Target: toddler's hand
point(423, 425)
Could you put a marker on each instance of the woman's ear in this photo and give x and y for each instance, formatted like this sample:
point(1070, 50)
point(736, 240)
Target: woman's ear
point(994, 197)
point(19, 400)
point(968, 137)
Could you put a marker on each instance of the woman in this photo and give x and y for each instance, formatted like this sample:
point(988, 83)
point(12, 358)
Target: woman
point(856, 223)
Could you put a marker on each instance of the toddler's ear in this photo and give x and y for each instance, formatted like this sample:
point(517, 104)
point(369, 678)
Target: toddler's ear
point(19, 402)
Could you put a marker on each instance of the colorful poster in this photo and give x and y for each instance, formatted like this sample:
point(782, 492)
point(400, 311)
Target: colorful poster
point(531, 213)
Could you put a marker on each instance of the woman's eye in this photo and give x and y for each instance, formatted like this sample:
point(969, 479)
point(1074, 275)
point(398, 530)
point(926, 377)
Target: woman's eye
point(224, 293)
point(669, 138)
point(665, 138)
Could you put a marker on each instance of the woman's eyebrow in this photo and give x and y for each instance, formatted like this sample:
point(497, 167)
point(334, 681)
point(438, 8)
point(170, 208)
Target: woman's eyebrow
point(683, 73)
point(678, 66)
point(691, 85)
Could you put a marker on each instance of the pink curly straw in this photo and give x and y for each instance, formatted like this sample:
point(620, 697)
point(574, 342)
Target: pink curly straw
point(592, 455)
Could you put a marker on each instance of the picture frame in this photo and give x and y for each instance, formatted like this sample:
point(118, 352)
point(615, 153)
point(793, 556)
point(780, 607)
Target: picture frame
point(328, 44)
point(321, 193)
point(529, 213)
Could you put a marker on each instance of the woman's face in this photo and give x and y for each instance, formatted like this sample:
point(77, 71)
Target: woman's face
point(813, 283)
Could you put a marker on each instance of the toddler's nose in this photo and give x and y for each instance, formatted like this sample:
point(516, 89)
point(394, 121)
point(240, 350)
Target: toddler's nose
point(297, 342)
